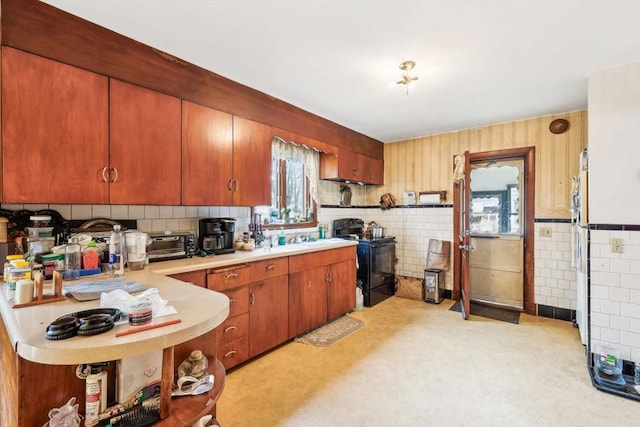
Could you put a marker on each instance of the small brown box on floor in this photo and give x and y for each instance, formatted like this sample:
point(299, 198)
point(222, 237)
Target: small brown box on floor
point(410, 288)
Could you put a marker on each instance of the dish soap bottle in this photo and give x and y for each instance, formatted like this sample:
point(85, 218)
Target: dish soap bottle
point(116, 257)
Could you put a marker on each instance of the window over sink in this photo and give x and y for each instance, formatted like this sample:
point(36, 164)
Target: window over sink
point(294, 181)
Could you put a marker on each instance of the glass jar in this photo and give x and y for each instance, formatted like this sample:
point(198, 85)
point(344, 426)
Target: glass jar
point(72, 259)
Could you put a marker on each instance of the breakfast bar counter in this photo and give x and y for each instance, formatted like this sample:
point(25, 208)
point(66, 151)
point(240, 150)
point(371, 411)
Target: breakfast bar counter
point(199, 311)
point(41, 374)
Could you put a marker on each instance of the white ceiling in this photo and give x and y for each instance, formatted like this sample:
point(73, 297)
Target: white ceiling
point(478, 62)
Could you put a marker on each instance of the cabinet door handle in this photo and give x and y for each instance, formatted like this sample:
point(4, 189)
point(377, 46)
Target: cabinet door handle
point(230, 328)
point(104, 174)
point(117, 175)
point(327, 277)
point(230, 185)
point(235, 185)
point(231, 276)
point(229, 353)
point(271, 267)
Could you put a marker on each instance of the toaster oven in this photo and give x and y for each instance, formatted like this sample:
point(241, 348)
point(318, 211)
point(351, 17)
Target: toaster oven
point(164, 247)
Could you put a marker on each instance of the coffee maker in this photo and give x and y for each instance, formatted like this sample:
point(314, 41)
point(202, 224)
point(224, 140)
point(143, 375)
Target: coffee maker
point(215, 235)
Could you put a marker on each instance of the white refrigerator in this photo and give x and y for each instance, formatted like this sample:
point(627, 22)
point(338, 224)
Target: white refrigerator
point(580, 248)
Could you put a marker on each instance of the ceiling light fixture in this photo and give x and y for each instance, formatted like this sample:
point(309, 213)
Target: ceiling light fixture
point(407, 79)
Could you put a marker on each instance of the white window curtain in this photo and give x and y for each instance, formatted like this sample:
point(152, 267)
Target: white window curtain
point(309, 157)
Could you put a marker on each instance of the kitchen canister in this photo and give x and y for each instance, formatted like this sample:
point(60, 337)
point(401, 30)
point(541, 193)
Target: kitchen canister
point(24, 291)
point(141, 313)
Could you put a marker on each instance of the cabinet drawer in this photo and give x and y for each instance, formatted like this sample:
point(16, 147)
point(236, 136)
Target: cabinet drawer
point(269, 268)
point(233, 328)
point(230, 277)
point(238, 300)
point(318, 259)
point(234, 352)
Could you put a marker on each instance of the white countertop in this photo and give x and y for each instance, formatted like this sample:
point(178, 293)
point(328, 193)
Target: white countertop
point(199, 263)
point(200, 310)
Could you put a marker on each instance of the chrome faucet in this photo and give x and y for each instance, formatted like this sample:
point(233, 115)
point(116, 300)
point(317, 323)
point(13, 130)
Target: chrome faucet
point(297, 238)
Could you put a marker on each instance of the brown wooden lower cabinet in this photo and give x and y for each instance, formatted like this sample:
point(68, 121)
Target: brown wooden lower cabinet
point(321, 288)
point(307, 300)
point(273, 300)
point(268, 314)
point(198, 277)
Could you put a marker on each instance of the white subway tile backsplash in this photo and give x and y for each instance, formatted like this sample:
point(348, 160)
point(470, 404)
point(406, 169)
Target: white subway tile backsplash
point(119, 212)
point(100, 211)
point(165, 212)
point(81, 212)
point(152, 212)
point(136, 212)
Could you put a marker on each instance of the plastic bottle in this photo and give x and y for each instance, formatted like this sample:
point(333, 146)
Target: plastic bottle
point(18, 271)
point(96, 394)
point(116, 256)
point(72, 259)
point(282, 240)
point(7, 264)
point(91, 256)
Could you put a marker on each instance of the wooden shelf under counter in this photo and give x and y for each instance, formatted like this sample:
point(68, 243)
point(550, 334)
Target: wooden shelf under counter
point(186, 410)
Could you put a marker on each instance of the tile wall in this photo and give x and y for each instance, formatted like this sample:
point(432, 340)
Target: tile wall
point(554, 276)
point(150, 218)
point(413, 227)
point(615, 292)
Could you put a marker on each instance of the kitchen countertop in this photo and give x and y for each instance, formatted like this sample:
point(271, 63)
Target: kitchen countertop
point(239, 257)
point(200, 310)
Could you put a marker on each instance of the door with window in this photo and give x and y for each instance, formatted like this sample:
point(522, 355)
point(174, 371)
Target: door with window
point(496, 252)
point(494, 261)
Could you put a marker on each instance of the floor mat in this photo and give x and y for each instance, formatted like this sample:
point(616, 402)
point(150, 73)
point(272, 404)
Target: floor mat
point(332, 332)
point(490, 312)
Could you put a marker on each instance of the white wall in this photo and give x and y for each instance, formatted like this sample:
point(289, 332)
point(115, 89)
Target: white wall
point(614, 199)
point(614, 145)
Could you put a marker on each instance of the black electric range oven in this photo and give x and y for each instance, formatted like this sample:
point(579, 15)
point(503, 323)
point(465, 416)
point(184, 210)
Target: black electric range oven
point(376, 260)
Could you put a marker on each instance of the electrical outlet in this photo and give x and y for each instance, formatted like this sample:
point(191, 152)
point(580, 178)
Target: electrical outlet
point(617, 245)
point(545, 232)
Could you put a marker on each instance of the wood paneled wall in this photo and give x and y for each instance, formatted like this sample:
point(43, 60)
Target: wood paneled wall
point(426, 163)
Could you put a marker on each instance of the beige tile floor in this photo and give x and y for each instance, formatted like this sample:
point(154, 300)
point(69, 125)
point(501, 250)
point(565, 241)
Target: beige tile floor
point(418, 364)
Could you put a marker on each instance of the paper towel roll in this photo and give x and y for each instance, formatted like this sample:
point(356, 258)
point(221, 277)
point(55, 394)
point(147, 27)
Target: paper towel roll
point(430, 198)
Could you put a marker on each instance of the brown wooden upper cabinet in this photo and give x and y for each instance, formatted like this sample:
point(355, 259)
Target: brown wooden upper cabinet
point(72, 136)
point(54, 131)
point(226, 160)
point(145, 141)
point(351, 166)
